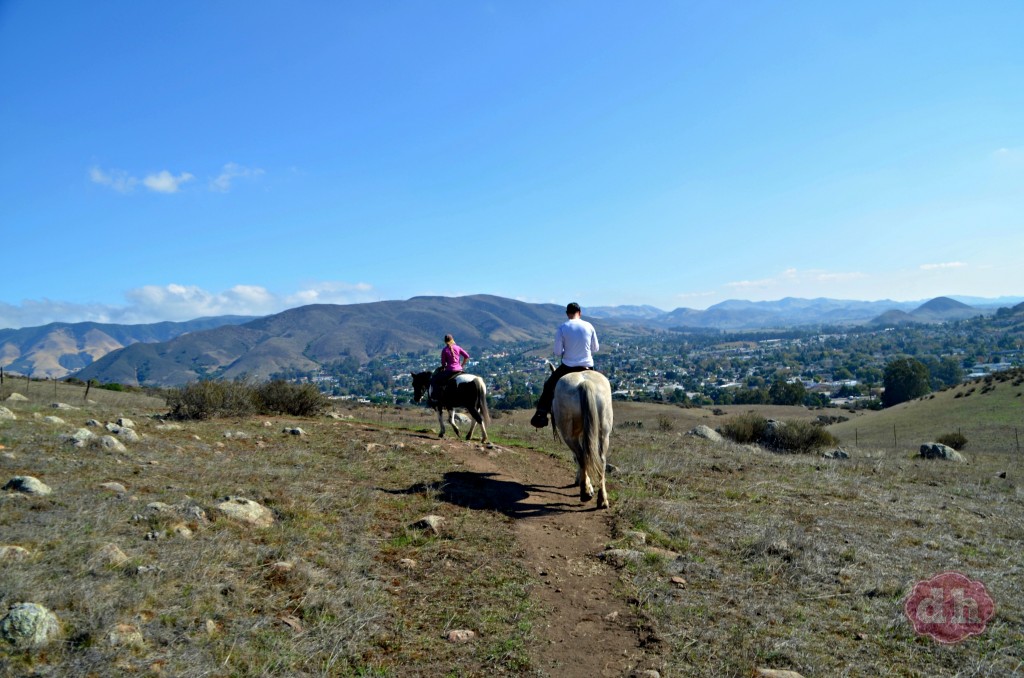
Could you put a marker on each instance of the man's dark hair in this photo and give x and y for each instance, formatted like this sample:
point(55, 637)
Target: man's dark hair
point(572, 309)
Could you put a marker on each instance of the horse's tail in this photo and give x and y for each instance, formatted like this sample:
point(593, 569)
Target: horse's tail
point(481, 401)
point(592, 464)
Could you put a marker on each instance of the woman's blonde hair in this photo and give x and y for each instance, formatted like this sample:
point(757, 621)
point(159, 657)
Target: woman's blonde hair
point(449, 339)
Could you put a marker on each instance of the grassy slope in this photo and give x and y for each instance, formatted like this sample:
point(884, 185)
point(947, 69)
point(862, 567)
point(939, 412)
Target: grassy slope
point(990, 413)
point(787, 561)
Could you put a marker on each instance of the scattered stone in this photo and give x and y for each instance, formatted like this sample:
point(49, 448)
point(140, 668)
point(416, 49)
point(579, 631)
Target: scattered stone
point(837, 453)
point(17, 397)
point(56, 421)
point(461, 635)
point(707, 433)
point(92, 423)
point(940, 451)
point(28, 485)
point(169, 427)
point(112, 427)
point(108, 556)
point(211, 627)
point(13, 552)
point(79, 438)
point(291, 622)
point(143, 570)
point(678, 581)
point(6, 414)
point(619, 557)
point(246, 511)
point(283, 567)
point(181, 530)
point(296, 431)
point(611, 616)
point(1001, 474)
point(125, 635)
point(776, 673)
point(111, 444)
point(63, 406)
point(125, 422)
point(129, 435)
point(432, 523)
point(29, 625)
point(8, 455)
point(116, 488)
point(407, 564)
point(237, 435)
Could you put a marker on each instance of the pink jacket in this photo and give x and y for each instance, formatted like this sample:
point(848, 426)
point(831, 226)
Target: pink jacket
point(451, 358)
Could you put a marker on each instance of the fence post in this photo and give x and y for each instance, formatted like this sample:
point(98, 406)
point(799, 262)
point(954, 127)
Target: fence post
point(894, 443)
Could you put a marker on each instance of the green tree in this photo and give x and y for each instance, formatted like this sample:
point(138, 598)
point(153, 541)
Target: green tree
point(787, 393)
point(905, 379)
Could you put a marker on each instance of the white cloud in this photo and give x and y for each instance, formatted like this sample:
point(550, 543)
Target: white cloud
point(119, 180)
point(165, 182)
point(948, 264)
point(231, 171)
point(175, 302)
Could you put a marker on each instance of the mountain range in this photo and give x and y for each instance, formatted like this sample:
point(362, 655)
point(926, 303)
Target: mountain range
point(304, 338)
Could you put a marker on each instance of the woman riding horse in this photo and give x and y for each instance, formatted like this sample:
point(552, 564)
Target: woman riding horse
point(453, 358)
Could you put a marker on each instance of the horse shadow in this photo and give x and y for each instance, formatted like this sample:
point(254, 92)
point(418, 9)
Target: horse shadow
point(484, 492)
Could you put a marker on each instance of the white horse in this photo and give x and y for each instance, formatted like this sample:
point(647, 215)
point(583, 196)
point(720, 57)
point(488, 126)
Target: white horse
point(581, 413)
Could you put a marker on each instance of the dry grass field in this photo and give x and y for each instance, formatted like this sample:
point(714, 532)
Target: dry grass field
point(752, 559)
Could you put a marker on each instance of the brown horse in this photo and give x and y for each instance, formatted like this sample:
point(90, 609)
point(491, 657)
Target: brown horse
point(463, 390)
point(582, 414)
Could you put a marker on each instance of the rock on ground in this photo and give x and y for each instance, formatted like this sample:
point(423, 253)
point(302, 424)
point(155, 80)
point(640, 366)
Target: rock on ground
point(29, 625)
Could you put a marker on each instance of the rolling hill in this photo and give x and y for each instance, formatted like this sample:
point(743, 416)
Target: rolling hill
point(58, 349)
point(306, 337)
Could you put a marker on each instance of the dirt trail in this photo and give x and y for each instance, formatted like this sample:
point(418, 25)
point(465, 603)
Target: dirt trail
point(589, 629)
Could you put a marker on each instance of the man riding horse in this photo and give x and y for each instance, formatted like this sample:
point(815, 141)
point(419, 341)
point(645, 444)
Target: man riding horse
point(575, 343)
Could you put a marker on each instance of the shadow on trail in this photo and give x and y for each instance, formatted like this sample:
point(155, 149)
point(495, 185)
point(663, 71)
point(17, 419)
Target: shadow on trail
point(481, 491)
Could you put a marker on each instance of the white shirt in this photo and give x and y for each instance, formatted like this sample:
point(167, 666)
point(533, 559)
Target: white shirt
point(576, 343)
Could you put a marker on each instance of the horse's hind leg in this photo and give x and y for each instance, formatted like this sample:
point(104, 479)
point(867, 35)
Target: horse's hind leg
point(440, 420)
point(451, 420)
point(477, 419)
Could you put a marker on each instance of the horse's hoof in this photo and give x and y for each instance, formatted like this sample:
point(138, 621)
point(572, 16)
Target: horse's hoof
point(584, 497)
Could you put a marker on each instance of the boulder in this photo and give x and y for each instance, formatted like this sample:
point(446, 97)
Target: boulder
point(13, 552)
point(111, 444)
point(28, 485)
point(17, 398)
point(79, 438)
point(707, 433)
point(837, 453)
point(246, 511)
point(29, 625)
point(940, 451)
point(6, 414)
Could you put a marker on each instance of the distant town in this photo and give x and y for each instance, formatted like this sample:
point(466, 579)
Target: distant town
point(816, 367)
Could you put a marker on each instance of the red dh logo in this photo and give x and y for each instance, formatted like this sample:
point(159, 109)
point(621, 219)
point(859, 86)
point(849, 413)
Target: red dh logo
point(949, 607)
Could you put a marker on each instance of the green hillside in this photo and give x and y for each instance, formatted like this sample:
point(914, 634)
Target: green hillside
point(989, 412)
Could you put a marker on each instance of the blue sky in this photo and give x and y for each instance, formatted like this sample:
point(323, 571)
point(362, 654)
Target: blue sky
point(165, 161)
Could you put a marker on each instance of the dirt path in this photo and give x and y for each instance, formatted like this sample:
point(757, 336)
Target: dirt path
point(589, 628)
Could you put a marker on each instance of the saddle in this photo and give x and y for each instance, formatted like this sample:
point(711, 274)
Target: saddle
point(439, 381)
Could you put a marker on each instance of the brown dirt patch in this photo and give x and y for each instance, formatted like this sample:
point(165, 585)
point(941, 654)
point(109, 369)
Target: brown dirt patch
point(590, 628)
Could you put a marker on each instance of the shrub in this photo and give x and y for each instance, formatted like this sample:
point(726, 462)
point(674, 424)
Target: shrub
point(799, 437)
point(208, 399)
point(957, 441)
point(299, 400)
point(788, 436)
point(745, 428)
